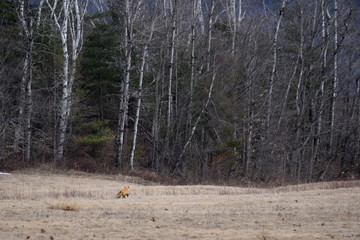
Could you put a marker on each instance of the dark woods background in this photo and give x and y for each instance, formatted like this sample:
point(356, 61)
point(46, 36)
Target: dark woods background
point(203, 91)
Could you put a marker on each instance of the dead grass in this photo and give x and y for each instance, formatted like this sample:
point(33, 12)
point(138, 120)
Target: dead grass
point(225, 190)
point(66, 204)
point(45, 205)
point(28, 186)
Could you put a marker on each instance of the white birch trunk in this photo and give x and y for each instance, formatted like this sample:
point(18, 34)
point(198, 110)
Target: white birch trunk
point(287, 92)
point(69, 19)
point(192, 63)
point(274, 62)
point(123, 108)
point(155, 129)
point(38, 20)
point(29, 108)
point(322, 84)
point(300, 108)
point(29, 102)
point(234, 21)
point(179, 160)
point(26, 82)
point(76, 32)
point(335, 81)
point(63, 27)
point(199, 15)
point(324, 65)
point(171, 70)
point(138, 104)
point(241, 15)
point(19, 128)
point(211, 15)
point(250, 122)
point(63, 115)
point(168, 6)
point(234, 25)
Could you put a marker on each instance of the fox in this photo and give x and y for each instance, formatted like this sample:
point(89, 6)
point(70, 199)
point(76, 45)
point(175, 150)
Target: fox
point(123, 192)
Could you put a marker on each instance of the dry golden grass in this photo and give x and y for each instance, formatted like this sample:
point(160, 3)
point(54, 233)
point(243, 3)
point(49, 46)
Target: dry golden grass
point(66, 204)
point(43, 205)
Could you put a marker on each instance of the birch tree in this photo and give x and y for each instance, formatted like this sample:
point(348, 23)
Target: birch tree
point(211, 21)
point(171, 73)
point(192, 60)
point(68, 19)
point(140, 88)
point(324, 33)
point(233, 21)
point(335, 81)
point(131, 9)
point(274, 63)
point(180, 158)
point(25, 108)
point(299, 101)
point(27, 19)
point(199, 15)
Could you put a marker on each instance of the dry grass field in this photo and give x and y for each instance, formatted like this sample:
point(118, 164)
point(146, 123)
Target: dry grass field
point(48, 205)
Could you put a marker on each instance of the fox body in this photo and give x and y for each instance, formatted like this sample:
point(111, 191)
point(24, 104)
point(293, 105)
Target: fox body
point(123, 193)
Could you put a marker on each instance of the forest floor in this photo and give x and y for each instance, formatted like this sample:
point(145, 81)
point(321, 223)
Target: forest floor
point(74, 205)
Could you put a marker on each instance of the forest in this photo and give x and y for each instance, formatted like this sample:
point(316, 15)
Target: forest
point(205, 91)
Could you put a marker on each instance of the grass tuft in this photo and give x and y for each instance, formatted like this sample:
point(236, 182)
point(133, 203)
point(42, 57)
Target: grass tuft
point(67, 205)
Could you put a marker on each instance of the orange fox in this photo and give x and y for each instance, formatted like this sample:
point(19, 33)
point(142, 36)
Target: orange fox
point(123, 193)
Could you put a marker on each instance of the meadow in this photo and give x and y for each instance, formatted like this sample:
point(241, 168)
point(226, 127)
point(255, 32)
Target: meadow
point(74, 205)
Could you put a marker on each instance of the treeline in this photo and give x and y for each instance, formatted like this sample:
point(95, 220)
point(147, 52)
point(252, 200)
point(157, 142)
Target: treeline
point(205, 90)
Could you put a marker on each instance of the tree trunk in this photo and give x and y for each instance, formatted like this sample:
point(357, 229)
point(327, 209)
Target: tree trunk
point(63, 114)
point(300, 102)
point(29, 108)
point(171, 71)
point(288, 91)
point(199, 15)
point(274, 62)
point(210, 23)
point(234, 25)
point(26, 82)
point(335, 81)
point(192, 66)
point(138, 104)
point(179, 160)
point(71, 31)
point(124, 97)
point(322, 83)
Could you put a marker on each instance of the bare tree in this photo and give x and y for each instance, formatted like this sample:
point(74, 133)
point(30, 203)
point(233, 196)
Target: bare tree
point(131, 10)
point(335, 81)
point(321, 96)
point(141, 79)
point(274, 62)
point(171, 73)
point(209, 33)
point(68, 19)
point(199, 15)
point(27, 19)
point(180, 159)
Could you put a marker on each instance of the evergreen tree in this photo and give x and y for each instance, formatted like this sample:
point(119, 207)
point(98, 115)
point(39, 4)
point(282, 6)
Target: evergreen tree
point(100, 72)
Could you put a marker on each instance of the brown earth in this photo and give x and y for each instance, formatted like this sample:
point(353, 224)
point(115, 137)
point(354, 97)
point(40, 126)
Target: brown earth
point(41, 205)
